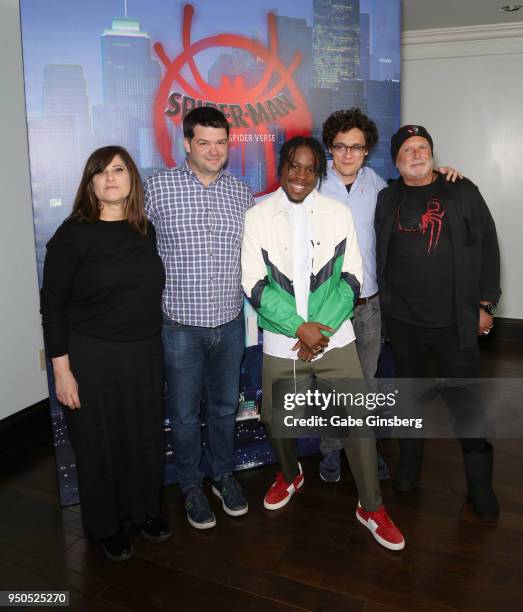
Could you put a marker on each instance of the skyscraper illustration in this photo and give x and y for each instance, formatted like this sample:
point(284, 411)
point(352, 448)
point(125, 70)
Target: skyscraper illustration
point(336, 41)
point(64, 93)
point(351, 92)
point(130, 80)
point(57, 162)
point(365, 46)
point(385, 19)
point(295, 35)
point(129, 75)
point(383, 106)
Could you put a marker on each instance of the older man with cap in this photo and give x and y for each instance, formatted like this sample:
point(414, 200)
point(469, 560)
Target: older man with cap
point(438, 274)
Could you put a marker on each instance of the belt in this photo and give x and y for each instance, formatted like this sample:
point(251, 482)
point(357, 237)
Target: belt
point(366, 300)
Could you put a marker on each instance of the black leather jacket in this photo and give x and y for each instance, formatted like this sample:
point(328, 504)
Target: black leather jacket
point(474, 247)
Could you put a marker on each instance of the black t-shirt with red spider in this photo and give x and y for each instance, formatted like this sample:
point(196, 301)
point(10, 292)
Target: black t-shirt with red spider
point(419, 268)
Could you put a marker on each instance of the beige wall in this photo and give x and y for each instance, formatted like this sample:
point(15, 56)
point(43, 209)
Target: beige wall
point(466, 87)
point(22, 382)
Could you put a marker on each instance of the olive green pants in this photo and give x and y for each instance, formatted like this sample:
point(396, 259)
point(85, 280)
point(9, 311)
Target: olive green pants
point(361, 450)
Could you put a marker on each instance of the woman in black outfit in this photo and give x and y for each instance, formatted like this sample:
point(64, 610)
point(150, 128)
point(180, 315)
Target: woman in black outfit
point(101, 307)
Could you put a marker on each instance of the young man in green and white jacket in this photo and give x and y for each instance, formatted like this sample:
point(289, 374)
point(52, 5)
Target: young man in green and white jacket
point(302, 271)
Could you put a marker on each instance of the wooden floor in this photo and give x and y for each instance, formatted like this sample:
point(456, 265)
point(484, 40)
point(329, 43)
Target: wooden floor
point(312, 555)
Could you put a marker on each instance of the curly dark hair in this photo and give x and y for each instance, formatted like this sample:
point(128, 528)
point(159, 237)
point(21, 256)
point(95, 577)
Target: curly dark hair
point(288, 151)
point(345, 120)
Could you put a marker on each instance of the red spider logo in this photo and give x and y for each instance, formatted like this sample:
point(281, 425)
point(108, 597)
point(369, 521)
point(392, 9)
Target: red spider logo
point(275, 78)
point(433, 219)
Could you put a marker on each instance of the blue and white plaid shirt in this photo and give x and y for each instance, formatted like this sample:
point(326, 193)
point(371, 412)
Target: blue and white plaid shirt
point(199, 231)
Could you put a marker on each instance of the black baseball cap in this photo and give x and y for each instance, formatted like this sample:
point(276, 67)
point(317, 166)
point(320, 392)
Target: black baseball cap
point(403, 134)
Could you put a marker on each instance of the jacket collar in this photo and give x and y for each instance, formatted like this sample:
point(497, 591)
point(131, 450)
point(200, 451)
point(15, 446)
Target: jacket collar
point(280, 201)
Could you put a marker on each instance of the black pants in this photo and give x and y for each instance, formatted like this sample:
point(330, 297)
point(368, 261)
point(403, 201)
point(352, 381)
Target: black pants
point(118, 433)
point(412, 347)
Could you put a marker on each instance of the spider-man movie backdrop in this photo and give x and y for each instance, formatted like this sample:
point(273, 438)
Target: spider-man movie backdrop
point(125, 72)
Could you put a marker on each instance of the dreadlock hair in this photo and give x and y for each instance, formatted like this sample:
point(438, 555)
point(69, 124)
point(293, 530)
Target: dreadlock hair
point(288, 151)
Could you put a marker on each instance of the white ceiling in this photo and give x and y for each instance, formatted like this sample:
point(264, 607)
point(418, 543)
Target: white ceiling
point(426, 14)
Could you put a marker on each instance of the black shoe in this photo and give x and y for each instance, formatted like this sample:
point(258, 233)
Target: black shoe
point(478, 472)
point(406, 477)
point(118, 547)
point(155, 529)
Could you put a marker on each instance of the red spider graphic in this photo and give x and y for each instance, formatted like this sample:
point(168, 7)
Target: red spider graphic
point(432, 218)
point(277, 77)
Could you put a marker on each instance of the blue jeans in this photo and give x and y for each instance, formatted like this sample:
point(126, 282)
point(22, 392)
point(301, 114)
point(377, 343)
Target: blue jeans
point(203, 361)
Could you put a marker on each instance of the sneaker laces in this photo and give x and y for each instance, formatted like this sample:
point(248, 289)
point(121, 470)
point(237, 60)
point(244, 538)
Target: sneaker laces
point(230, 483)
point(196, 498)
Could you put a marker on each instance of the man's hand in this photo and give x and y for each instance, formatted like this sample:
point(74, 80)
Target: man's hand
point(452, 173)
point(486, 322)
point(310, 335)
point(304, 353)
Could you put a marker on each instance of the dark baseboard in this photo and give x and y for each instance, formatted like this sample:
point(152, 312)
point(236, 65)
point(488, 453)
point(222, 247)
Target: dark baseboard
point(24, 426)
point(508, 329)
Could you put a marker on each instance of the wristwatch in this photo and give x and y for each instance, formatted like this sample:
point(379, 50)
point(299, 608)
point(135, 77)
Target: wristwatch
point(489, 308)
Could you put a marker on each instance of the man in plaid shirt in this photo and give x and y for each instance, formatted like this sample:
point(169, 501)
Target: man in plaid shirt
point(198, 211)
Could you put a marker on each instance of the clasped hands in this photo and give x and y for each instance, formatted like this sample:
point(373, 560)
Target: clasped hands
point(311, 341)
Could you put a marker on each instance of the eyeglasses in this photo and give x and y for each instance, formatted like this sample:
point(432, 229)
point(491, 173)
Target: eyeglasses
point(356, 149)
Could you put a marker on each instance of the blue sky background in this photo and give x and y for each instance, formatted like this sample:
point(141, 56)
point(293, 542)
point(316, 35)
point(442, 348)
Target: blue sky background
point(59, 31)
point(65, 31)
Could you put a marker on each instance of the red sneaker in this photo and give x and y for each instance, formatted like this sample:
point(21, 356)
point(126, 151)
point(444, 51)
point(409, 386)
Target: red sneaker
point(382, 528)
point(281, 492)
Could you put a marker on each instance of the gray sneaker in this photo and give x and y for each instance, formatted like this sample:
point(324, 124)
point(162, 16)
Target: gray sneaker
point(230, 492)
point(383, 469)
point(199, 513)
point(330, 467)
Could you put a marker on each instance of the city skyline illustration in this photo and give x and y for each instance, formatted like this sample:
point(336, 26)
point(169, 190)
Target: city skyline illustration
point(96, 77)
point(76, 107)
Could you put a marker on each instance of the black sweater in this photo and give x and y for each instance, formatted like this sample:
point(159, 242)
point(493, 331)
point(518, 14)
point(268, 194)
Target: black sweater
point(474, 247)
point(101, 279)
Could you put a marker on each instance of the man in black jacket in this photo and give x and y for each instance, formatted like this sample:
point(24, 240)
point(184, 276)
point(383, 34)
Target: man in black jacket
point(438, 275)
